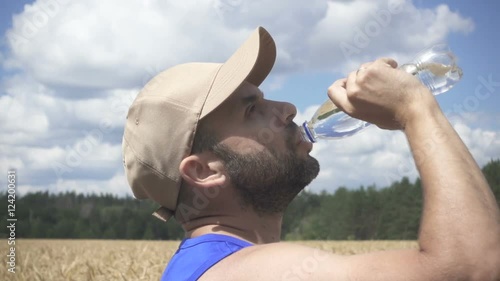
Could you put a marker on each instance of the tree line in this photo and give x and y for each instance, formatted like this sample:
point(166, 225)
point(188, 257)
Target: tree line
point(365, 213)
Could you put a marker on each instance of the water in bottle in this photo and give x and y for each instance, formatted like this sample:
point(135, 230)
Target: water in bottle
point(435, 67)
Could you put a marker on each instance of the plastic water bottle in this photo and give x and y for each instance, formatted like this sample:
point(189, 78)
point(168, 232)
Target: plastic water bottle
point(435, 67)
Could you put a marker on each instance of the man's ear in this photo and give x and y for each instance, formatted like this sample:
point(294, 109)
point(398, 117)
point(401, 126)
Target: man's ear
point(202, 169)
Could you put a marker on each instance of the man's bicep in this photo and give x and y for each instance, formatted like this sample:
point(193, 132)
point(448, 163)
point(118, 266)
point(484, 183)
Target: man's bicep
point(291, 262)
point(408, 264)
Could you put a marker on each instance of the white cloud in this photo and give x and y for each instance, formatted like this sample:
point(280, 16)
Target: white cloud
point(434, 25)
point(356, 31)
point(17, 116)
point(111, 44)
point(10, 162)
point(110, 110)
point(483, 144)
point(116, 184)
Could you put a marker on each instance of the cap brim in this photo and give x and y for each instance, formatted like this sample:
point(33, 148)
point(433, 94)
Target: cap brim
point(252, 62)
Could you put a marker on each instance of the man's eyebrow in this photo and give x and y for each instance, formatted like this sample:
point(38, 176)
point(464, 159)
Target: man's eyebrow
point(252, 98)
point(248, 99)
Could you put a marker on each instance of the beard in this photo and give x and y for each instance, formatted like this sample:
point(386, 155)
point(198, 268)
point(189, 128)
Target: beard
point(268, 180)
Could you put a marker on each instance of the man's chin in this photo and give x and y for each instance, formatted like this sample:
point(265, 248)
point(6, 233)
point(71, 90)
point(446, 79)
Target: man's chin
point(312, 167)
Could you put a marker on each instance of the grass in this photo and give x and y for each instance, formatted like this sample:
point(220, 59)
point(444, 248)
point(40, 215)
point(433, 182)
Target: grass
point(39, 259)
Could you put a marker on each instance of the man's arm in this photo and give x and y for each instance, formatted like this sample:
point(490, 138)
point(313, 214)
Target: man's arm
point(460, 227)
point(461, 220)
point(459, 236)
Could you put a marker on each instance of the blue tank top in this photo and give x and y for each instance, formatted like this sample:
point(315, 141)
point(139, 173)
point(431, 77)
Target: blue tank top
point(197, 255)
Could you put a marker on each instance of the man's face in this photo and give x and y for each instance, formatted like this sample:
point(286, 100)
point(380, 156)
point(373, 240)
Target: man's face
point(262, 149)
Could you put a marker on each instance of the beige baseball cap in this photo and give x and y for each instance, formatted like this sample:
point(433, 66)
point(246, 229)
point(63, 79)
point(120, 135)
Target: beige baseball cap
point(162, 120)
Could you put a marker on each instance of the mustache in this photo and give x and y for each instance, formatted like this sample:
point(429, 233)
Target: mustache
point(293, 125)
point(291, 131)
point(291, 128)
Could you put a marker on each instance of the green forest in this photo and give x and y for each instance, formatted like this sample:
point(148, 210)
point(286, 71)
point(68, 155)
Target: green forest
point(365, 213)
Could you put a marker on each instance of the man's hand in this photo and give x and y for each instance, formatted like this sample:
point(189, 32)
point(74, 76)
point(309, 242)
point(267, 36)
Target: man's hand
point(381, 94)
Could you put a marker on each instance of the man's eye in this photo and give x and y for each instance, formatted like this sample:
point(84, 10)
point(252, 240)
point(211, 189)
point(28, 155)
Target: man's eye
point(251, 109)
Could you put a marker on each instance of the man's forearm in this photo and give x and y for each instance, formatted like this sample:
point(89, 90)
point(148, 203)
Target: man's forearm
point(461, 219)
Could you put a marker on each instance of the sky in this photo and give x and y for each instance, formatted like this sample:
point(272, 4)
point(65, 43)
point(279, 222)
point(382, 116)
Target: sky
point(69, 70)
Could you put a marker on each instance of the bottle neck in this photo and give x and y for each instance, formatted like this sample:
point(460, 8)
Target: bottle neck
point(307, 134)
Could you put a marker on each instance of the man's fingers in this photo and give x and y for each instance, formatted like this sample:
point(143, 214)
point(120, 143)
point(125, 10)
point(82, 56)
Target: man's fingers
point(351, 80)
point(338, 95)
point(389, 61)
point(342, 91)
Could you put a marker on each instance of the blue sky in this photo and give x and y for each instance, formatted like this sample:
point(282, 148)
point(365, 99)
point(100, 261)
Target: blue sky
point(69, 70)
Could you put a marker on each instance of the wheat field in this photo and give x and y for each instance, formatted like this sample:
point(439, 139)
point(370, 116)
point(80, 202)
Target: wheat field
point(54, 260)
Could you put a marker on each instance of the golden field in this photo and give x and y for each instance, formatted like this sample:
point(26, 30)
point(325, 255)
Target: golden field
point(54, 260)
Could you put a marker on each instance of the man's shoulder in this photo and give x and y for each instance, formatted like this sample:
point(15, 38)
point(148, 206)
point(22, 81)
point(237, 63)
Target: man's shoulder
point(291, 261)
point(273, 261)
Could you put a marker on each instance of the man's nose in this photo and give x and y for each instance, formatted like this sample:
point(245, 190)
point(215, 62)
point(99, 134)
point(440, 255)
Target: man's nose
point(285, 112)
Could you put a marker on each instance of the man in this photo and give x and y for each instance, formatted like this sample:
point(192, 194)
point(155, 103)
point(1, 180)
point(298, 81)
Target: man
point(203, 142)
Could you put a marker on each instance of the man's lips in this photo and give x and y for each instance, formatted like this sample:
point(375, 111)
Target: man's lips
point(299, 138)
point(295, 138)
point(308, 144)
point(293, 132)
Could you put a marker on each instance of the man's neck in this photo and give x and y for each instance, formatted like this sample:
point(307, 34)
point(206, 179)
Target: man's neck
point(247, 226)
